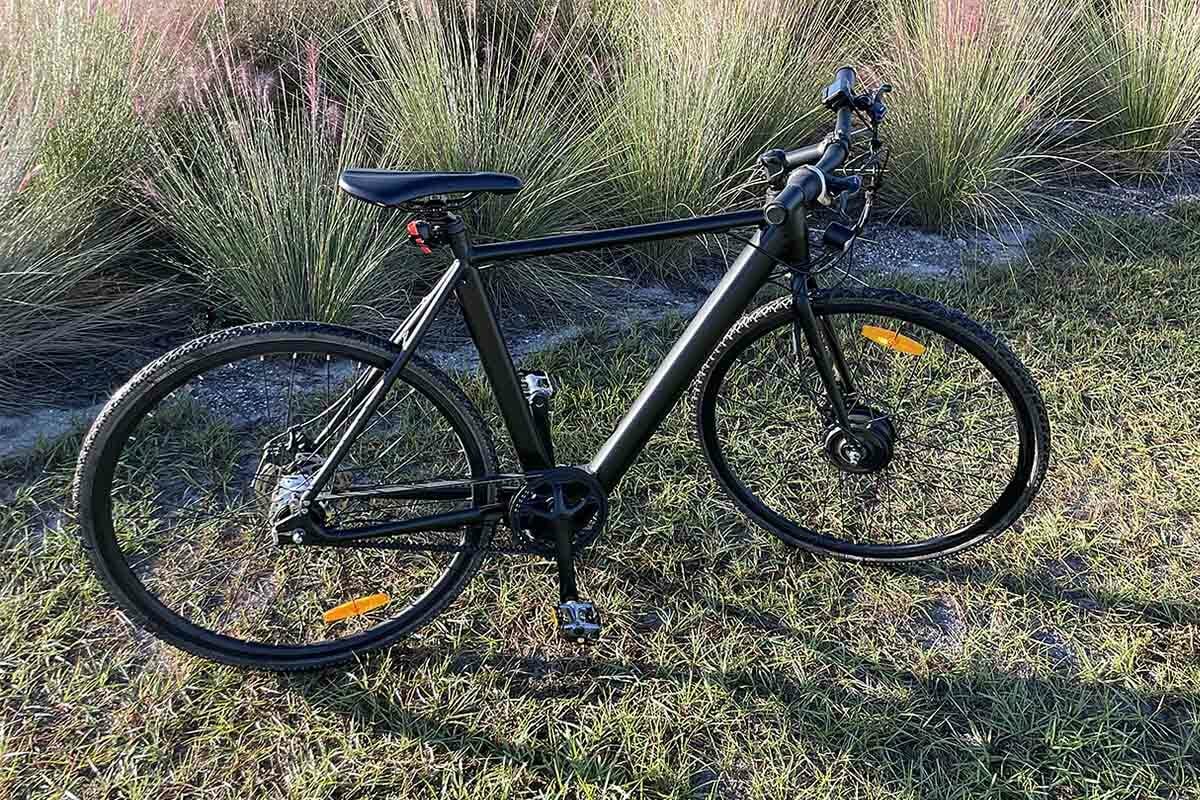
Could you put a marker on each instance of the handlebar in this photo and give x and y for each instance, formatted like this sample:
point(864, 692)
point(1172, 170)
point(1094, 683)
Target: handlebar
point(805, 186)
point(838, 96)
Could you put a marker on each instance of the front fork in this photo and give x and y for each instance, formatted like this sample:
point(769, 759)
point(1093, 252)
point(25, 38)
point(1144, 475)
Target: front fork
point(822, 343)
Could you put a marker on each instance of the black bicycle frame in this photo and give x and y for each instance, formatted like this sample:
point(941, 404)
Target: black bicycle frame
point(727, 302)
point(768, 248)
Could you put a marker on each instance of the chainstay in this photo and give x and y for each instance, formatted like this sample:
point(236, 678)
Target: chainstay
point(412, 547)
point(490, 549)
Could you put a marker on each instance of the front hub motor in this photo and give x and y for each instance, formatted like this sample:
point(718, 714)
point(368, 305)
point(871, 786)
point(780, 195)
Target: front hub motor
point(866, 447)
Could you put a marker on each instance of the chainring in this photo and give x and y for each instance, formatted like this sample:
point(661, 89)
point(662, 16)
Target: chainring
point(584, 496)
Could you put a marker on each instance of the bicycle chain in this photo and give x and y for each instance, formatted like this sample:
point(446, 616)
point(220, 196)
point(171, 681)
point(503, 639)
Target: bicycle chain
point(490, 549)
point(406, 547)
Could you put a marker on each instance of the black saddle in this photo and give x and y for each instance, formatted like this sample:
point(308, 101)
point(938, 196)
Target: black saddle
point(387, 188)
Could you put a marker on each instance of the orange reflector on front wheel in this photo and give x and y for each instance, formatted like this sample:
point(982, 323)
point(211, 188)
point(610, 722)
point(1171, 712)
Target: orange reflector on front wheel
point(359, 605)
point(893, 340)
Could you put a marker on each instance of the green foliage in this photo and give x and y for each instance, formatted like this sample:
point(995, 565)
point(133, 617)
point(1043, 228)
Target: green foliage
point(976, 120)
point(68, 296)
point(701, 89)
point(247, 188)
point(1147, 54)
point(96, 76)
point(234, 118)
point(459, 85)
point(67, 301)
point(271, 31)
point(1174, 235)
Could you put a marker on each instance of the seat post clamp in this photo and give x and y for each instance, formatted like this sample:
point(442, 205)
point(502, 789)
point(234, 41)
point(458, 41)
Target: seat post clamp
point(417, 230)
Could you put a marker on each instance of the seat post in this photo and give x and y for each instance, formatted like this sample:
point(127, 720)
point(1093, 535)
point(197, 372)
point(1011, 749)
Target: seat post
point(460, 242)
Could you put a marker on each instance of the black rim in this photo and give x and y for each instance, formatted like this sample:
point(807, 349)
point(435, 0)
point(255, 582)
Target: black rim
point(460, 566)
point(996, 512)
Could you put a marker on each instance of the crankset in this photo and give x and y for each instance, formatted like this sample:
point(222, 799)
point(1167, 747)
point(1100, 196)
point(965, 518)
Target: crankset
point(532, 505)
point(558, 512)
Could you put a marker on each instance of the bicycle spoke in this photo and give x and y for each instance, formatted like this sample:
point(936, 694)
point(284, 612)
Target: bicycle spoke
point(939, 412)
point(208, 463)
point(937, 448)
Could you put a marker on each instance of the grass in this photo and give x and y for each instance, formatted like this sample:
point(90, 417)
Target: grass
point(979, 123)
point(96, 73)
point(69, 303)
point(504, 87)
point(245, 184)
point(1145, 51)
point(701, 89)
point(613, 111)
point(1059, 661)
point(70, 292)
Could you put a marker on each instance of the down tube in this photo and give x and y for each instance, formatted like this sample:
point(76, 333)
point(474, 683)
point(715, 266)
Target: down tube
point(728, 301)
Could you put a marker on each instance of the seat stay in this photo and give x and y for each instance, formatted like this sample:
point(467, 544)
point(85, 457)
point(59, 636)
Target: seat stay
point(409, 337)
point(356, 393)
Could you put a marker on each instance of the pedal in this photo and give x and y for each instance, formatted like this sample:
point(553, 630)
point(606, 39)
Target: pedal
point(538, 390)
point(578, 621)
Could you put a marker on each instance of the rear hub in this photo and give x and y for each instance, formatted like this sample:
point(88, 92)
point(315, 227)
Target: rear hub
point(866, 447)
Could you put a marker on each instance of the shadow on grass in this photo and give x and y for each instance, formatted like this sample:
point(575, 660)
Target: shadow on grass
point(997, 732)
point(382, 713)
point(1058, 589)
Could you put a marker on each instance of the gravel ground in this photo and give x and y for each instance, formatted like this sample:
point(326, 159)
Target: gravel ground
point(886, 248)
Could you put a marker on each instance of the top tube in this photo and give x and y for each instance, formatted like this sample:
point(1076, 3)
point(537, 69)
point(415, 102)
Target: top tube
point(594, 240)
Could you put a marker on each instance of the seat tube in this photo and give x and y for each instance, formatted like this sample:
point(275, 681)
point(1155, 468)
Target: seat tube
point(460, 243)
point(497, 364)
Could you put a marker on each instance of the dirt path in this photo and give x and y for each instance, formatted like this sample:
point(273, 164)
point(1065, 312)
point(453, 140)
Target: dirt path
point(886, 248)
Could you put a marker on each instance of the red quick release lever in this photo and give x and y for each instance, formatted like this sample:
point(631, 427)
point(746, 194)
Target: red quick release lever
point(414, 233)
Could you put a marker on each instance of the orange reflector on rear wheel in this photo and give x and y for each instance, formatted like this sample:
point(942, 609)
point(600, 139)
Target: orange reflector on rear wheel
point(359, 605)
point(893, 340)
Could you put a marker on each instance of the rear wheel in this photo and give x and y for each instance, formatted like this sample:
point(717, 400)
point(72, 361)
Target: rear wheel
point(179, 478)
point(948, 439)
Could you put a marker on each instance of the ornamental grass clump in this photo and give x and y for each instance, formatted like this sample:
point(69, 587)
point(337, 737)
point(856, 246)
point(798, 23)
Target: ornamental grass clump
point(451, 85)
point(100, 73)
point(244, 180)
point(71, 310)
point(703, 87)
point(1147, 56)
point(71, 299)
point(979, 120)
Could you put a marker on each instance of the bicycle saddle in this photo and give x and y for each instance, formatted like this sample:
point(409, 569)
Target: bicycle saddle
point(387, 188)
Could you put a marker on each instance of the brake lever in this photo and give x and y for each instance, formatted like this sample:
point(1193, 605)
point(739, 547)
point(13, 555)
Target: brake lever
point(872, 103)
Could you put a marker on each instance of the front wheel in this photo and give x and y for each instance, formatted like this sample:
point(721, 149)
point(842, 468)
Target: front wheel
point(948, 439)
